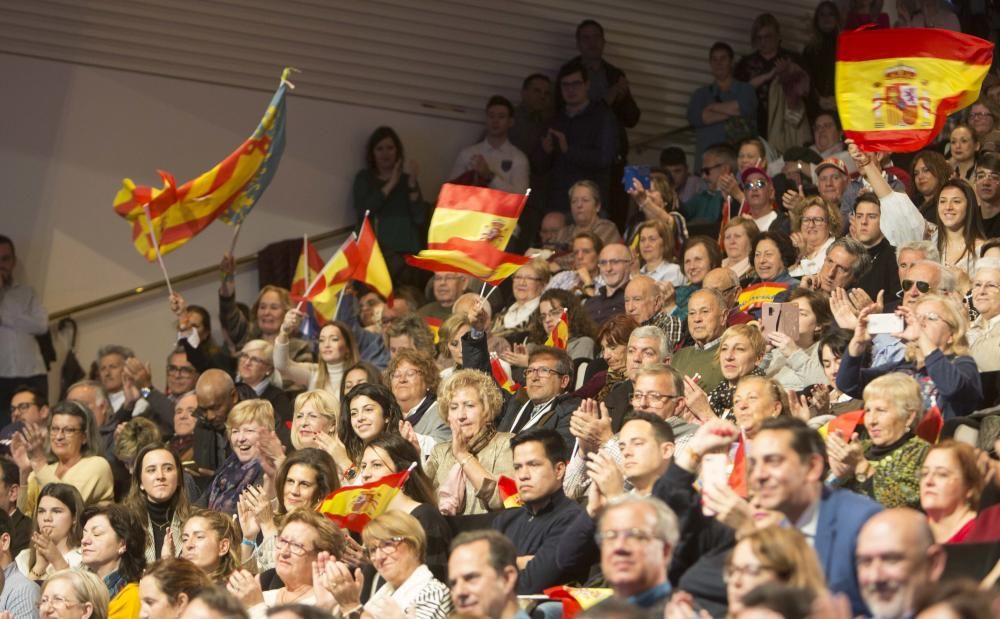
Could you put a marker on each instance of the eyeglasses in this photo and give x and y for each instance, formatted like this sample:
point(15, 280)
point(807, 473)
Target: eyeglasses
point(813, 221)
point(922, 287)
point(983, 176)
point(22, 407)
point(186, 370)
point(447, 278)
point(653, 396)
point(247, 358)
point(56, 601)
point(387, 546)
point(553, 313)
point(57, 431)
point(631, 536)
point(731, 571)
point(757, 184)
point(923, 319)
point(612, 262)
point(295, 548)
point(404, 375)
point(980, 115)
point(542, 372)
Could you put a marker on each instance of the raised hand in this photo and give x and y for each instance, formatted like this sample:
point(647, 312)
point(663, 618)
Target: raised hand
point(517, 356)
point(799, 405)
point(290, 324)
point(459, 442)
point(406, 431)
point(272, 452)
point(783, 342)
point(604, 472)
point(861, 339)
point(322, 585)
point(729, 508)
point(843, 309)
point(228, 267)
point(345, 585)
point(244, 586)
point(844, 457)
point(178, 306)
point(697, 400)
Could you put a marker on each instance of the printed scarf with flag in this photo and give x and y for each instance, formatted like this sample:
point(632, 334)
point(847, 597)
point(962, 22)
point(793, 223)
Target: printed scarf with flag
point(559, 336)
point(509, 495)
point(353, 507)
point(895, 88)
point(229, 190)
point(469, 231)
point(501, 376)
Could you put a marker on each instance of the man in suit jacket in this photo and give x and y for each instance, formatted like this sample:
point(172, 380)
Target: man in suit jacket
point(788, 466)
point(545, 403)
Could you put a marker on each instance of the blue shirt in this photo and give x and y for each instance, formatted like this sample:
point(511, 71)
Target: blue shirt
point(708, 134)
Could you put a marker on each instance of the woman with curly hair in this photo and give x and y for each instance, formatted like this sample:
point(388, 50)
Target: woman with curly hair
point(114, 548)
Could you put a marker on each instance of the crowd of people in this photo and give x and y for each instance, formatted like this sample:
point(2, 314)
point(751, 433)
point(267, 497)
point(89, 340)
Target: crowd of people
point(689, 449)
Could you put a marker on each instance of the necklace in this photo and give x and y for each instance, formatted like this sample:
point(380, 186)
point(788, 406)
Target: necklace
point(284, 595)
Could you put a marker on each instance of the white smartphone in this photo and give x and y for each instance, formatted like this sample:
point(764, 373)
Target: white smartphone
point(714, 472)
point(885, 323)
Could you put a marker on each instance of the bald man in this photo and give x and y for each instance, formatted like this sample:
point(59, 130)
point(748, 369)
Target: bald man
point(644, 304)
point(896, 558)
point(728, 285)
point(615, 264)
point(216, 395)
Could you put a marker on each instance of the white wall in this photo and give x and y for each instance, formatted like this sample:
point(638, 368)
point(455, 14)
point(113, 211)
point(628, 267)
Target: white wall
point(71, 133)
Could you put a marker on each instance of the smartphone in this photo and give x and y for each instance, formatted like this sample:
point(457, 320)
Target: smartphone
point(640, 172)
point(885, 323)
point(714, 472)
point(780, 318)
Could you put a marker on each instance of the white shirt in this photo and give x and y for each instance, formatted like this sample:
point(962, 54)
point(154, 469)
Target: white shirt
point(765, 222)
point(810, 265)
point(666, 272)
point(508, 164)
point(519, 313)
point(808, 523)
point(22, 317)
point(901, 222)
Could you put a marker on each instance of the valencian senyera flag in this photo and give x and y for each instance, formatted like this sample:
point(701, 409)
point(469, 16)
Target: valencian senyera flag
point(469, 231)
point(896, 88)
point(229, 190)
point(352, 507)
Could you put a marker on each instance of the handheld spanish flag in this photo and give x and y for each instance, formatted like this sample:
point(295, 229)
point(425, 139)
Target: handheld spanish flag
point(336, 273)
point(577, 599)
point(509, 495)
point(309, 265)
point(434, 324)
point(500, 375)
point(896, 88)
point(229, 190)
point(738, 476)
point(559, 336)
point(930, 424)
point(843, 424)
point(480, 259)
point(353, 507)
point(371, 268)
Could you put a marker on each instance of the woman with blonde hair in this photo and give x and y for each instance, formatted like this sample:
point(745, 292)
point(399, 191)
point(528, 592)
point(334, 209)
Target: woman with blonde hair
point(314, 424)
point(465, 469)
point(741, 349)
point(73, 588)
point(737, 240)
point(247, 424)
point(450, 345)
point(816, 223)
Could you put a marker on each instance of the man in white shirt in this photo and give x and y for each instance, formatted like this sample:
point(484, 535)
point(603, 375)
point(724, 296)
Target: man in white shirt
point(22, 317)
point(494, 162)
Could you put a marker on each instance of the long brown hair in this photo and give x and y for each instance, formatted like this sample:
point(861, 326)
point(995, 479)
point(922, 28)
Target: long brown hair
point(350, 353)
point(180, 506)
point(225, 528)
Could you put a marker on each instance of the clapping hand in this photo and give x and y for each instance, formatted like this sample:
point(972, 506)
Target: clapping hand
point(604, 472)
point(244, 586)
point(591, 425)
point(517, 356)
point(843, 456)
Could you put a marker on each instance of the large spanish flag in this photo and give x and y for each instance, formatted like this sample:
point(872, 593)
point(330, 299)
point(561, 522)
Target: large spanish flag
point(353, 507)
point(229, 190)
point(480, 259)
point(896, 88)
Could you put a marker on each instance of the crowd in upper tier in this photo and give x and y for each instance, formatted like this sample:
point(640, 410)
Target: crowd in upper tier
point(685, 449)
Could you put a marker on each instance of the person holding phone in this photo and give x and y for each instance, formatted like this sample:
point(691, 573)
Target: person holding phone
point(794, 362)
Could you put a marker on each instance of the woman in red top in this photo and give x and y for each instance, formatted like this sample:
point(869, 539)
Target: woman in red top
point(950, 486)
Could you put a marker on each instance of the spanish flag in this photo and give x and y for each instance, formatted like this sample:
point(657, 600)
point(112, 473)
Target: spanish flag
point(895, 88)
point(930, 424)
point(308, 266)
point(753, 297)
point(336, 273)
point(353, 507)
point(371, 268)
point(843, 424)
point(480, 259)
point(559, 337)
point(500, 375)
point(577, 599)
point(229, 190)
point(435, 326)
point(738, 476)
point(509, 495)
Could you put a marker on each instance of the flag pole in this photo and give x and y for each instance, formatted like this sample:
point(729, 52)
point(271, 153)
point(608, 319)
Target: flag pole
point(305, 252)
point(156, 248)
point(340, 297)
point(236, 235)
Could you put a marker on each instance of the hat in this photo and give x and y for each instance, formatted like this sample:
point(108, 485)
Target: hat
point(746, 174)
point(801, 153)
point(833, 162)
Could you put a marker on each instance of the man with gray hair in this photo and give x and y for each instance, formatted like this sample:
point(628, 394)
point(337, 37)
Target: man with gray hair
point(111, 372)
point(644, 305)
point(846, 261)
point(707, 314)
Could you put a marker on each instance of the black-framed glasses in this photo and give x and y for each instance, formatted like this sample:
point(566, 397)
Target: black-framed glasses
point(653, 396)
point(22, 407)
point(542, 372)
point(295, 548)
point(186, 370)
point(386, 546)
point(923, 287)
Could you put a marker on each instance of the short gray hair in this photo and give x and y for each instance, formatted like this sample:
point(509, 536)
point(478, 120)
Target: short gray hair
point(991, 262)
point(666, 527)
point(863, 261)
point(114, 349)
point(653, 332)
point(662, 369)
point(96, 386)
point(947, 280)
point(929, 250)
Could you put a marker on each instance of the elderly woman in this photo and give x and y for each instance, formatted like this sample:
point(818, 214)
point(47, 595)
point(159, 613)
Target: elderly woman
point(337, 350)
point(77, 450)
point(304, 535)
point(936, 355)
point(57, 528)
point(413, 378)
point(114, 548)
point(395, 543)
point(211, 541)
point(951, 484)
point(247, 424)
point(815, 226)
point(168, 586)
point(582, 272)
point(255, 368)
point(795, 363)
point(584, 204)
point(984, 332)
point(930, 171)
point(182, 442)
point(529, 281)
point(466, 468)
point(157, 497)
point(737, 240)
point(369, 410)
point(755, 400)
point(314, 424)
point(885, 466)
point(741, 349)
point(701, 255)
point(73, 594)
point(773, 254)
point(959, 234)
point(613, 338)
point(657, 251)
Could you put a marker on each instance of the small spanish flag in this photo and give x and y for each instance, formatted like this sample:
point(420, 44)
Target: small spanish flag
point(308, 266)
point(895, 88)
point(336, 273)
point(738, 476)
point(930, 424)
point(353, 507)
point(559, 337)
point(577, 599)
point(507, 488)
point(435, 326)
point(371, 268)
point(843, 424)
point(754, 296)
point(501, 376)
